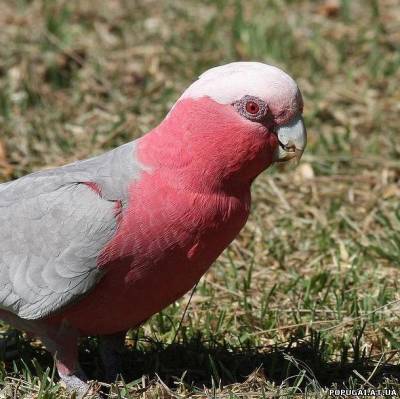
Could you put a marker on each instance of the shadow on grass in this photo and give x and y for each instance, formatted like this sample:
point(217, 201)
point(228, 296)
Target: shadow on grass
point(201, 361)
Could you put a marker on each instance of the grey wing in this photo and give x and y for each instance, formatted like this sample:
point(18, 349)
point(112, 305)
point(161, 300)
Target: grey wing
point(49, 245)
point(53, 228)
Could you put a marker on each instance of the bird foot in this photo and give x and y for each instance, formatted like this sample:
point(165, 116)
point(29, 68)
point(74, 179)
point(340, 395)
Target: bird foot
point(83, 390)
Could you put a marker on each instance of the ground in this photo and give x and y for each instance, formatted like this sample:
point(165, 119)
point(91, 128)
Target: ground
point(307, 296)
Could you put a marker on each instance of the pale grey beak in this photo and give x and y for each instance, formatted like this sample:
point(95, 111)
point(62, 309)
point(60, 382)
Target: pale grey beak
point(292, 140)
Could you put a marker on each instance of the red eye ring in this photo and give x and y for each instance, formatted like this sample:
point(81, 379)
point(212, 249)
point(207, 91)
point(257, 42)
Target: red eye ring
point(252, 107)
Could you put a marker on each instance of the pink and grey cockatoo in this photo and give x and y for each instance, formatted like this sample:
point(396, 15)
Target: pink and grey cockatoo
point(98, 246)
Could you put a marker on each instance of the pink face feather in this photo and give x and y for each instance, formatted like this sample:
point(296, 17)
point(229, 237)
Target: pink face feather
point(210, 145)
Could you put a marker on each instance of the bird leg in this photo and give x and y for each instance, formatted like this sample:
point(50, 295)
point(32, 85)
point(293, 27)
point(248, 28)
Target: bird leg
point(63, 345)
point(111, 349)
point(8, 345)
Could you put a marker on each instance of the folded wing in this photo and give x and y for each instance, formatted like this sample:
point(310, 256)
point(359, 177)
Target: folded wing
point(53, 227)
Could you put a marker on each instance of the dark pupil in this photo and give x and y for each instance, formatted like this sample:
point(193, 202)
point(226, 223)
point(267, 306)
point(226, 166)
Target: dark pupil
point(252, 107)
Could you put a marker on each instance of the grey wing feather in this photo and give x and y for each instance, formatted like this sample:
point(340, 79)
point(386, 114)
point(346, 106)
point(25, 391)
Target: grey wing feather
point(53, 228)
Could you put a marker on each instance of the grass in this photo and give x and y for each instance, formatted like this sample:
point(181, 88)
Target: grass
point(307, 296)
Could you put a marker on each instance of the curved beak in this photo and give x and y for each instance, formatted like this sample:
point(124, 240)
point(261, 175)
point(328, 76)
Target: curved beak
point(292, 140)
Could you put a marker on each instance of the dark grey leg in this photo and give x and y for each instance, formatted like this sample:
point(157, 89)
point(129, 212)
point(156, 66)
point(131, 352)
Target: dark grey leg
point(8, 345)
point(111, 349)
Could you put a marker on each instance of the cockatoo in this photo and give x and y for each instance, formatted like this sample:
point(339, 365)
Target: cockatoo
point(98, 246)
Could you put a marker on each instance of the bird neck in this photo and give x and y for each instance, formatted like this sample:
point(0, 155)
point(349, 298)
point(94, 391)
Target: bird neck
point(205, 146)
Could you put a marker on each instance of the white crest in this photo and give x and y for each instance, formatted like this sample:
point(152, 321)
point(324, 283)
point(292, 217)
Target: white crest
point(228, 83)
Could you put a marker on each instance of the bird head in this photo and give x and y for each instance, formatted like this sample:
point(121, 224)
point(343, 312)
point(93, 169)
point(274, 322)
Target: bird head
point(234, 121)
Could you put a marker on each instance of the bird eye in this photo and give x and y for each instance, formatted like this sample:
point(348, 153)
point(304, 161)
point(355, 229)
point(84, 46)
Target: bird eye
point(252, 107)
